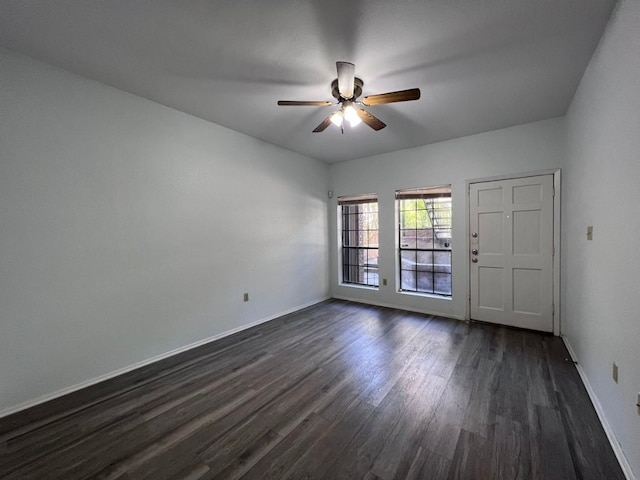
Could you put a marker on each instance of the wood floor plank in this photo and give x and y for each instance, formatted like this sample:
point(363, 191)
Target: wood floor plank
point(280, 416)
point(470, 458)
point(480, 415)
point(512, 395)
point(453, 343)
point(276, 462)
point(196, 430)
point(394, 460)
point(336, 390)
point(427, 465)
point(550, 455)
point(474, 346)
point(442, 434)
point(583, 429)
point(413, 385)
point(363, 450)
point(511, 450)
point(330, 444)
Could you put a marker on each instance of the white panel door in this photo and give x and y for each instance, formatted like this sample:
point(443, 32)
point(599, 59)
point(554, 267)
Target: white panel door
point(511, 252)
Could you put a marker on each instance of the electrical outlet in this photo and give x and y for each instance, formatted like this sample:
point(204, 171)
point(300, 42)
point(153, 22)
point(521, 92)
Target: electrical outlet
point(246, 297)
point(614, 373)
point(384, 282)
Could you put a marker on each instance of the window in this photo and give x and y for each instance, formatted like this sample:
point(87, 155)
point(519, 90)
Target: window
point(359, 216)
point(424, 238)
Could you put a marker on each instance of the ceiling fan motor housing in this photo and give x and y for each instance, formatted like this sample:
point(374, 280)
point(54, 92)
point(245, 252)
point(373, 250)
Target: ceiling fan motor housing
point(357, 89)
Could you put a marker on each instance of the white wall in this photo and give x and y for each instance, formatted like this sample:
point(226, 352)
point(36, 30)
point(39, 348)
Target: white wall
point(520, 149)
point(129, 229)
point(601, 278)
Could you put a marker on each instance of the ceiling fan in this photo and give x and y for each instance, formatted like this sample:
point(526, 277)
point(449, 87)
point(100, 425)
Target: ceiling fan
point(346, 89)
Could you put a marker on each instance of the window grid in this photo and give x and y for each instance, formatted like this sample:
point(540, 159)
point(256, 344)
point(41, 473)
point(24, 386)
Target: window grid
point(424, 234)
point(360, 243)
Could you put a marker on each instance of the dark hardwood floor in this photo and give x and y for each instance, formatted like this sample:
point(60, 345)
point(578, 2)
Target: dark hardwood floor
point(335, 391)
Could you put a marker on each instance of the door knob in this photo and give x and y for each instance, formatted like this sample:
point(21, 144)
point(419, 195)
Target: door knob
point(474, 251)
point(474, 260)
point(474, 234)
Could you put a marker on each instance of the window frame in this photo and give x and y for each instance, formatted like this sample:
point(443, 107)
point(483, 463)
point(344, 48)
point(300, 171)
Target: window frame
point(440, 283)
point(355, 240)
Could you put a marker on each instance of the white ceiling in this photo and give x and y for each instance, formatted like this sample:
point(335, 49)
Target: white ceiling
point(481, 64)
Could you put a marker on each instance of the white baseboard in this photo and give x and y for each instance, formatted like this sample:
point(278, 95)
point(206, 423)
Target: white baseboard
point(615, 445)
point(87, 383)
point(400, 307)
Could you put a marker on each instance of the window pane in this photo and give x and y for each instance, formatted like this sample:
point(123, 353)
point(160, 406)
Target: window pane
point(442, 283)
point(371, 238)
point(408, 259)
point(425, 261)
point(442, 262)
point(407, 204)
point(408, 219)
point(424, 238)
point(372, 267)
point(362, 258)
point(408, 280)
point(425, 282)
point(350, 256)
point(407, 238)
point(371, 221)
point(362, 275)
point(352, 273)
point(423, 219)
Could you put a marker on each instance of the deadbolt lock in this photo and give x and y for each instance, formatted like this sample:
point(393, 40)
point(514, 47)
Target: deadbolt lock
point(474, 251)
point(474, 234)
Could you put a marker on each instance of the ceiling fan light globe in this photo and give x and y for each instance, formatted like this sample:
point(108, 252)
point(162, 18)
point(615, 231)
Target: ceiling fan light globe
point(351, 115)
point(336, 118)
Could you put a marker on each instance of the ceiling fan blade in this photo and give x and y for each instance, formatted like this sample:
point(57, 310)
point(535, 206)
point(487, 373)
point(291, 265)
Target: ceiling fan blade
point(372, 121)
point(323, 125)
point(296, 103)
point(392, 97)
point(346, 76)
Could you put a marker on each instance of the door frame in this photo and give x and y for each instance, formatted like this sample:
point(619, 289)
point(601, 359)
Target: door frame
point(556, 237)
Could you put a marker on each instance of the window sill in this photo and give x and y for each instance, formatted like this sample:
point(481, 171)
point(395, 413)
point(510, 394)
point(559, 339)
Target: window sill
point(361, 287)
point(426, 295)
